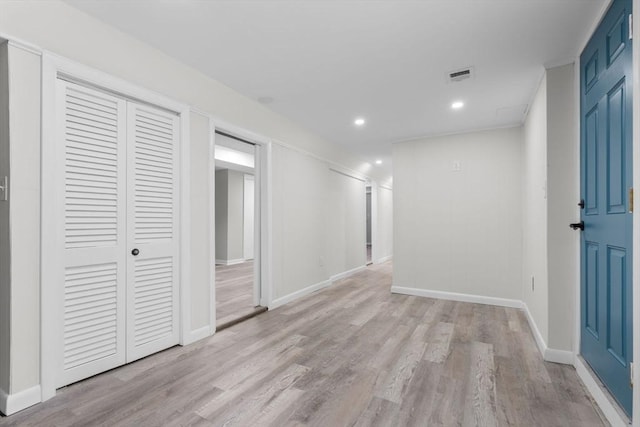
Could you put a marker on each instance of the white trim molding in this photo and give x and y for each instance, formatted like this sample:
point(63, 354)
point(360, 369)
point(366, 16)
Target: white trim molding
point(548, 354)
point(384, 259)
point(299, 294)
point(613, 414)
point(197, 335)
point(453, 296)
point(230, 261)
point(12, 403)
point(347, 273)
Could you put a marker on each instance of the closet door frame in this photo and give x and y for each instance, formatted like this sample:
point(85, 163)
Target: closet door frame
point(53, 68)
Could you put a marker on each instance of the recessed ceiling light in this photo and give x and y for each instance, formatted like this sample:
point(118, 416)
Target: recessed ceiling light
point(359, 121)
point(457, 105)
point(378, 162)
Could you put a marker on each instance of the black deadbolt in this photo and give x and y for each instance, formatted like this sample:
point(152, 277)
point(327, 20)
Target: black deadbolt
point(135, 252)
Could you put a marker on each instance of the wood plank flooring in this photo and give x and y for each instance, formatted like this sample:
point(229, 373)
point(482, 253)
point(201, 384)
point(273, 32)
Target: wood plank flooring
point(350, 355)
point(234, 291)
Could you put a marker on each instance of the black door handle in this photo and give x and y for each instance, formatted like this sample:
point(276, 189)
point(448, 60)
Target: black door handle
point(577, 225)
point(135, 252)
point(581, 204)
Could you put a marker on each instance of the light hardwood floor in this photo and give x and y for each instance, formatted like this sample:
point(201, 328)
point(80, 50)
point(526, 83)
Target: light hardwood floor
point(351, 355)
point(234, 291)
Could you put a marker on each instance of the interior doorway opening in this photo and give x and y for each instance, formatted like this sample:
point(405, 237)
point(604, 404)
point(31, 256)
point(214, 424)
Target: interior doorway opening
point(237, 246)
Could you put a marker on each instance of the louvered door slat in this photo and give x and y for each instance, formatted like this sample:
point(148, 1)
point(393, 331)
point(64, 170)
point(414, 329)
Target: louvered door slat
point(152, 275)
point(118, 191)
point(92, 149)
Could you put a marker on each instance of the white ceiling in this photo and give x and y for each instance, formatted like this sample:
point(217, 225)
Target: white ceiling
point(325, 62)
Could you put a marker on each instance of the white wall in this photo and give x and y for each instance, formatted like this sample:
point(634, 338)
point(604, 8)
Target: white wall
point(383, 249)
point(563, 177)
point(299, 228)
point(248, 210)
point(550, 197)
point(534, 226)
point(201, 250)
point(229, 205)
point(346, 217)
point(221, 212)
point(459, 231)
point(24, 127)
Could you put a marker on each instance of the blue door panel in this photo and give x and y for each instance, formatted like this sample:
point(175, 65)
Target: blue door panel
point(590, 167)
point(615, 150)
point(616, 326)
point(591, 291)
point(605, 179)
point(616, 38)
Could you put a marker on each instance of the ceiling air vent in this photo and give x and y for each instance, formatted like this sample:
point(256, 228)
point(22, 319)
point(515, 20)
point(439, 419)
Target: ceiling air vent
point(460, 75)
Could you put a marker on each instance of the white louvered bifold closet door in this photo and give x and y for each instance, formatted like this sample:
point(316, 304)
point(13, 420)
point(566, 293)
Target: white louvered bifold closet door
point(90, 197)
point(152, 275)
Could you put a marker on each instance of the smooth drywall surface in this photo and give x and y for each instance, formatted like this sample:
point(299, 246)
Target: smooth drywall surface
point(62, 29)
point(384, 242)
point(346, 217)
point(299, 226)
point(201, 253)
point(221, 210)
point(24, 127)
point(235, 216)
point(249, 213)
point(229, 208)
point(457, 214)
point(563, 193)
point(5, 249)
point(534, 226)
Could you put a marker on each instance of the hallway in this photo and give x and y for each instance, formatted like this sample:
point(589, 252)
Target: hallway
point(352, 354)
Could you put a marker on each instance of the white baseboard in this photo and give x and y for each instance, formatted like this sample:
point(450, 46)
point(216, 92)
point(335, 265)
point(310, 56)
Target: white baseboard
point(347, 273)
point(197, 335)
point(608, 408)
point(548, 354)
point(384, 259)
point(298, 294)
point(540, 342)
point(230, 261)
point(563, 357)
point(452, 296)
point(12, 403)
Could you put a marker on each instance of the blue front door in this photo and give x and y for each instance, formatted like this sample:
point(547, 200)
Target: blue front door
point(606, 180)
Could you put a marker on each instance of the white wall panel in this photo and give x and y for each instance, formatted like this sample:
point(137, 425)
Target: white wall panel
point(384, 241)
point(459, 230)
point(299, 228)
point(346, 219)
point(534, 226)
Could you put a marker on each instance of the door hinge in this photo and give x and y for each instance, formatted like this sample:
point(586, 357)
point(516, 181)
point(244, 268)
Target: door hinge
point(631, 374)
point(630, 26)
point(631, 200)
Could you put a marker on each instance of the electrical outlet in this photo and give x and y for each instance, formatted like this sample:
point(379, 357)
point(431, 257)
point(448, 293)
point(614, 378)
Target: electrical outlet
point(533, 284)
